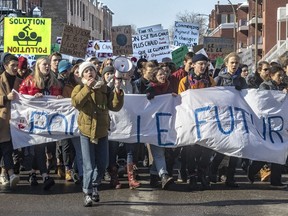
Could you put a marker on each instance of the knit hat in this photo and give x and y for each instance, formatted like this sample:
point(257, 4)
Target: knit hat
point(63, 66)
point(22, 63)
point(199, 57)
point(108, 69)
point(85, 65)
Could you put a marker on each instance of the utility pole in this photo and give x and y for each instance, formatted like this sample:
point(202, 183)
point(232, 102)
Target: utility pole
point(235, 26)
point(256, 33)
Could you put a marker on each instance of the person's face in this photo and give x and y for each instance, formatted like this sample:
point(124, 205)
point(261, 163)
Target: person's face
point(200, 67)
point(65, 74)
point(108, 63)
point(264, 72)
point(54, 62)
point(188, 65)
point(108, 76)
point(12, 67)
point(244, 72)
point(277, 77)
point(286, 70)
point(148, 73)
point(89, 73)
point(97, 64)
point(161, 76)
point(232, 65)
point(167, 70)
point(44, 67)
point(21, 72)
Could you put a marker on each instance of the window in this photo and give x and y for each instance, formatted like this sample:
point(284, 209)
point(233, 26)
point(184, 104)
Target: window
point(223, 18)
point(83, 12)
point(71, 7)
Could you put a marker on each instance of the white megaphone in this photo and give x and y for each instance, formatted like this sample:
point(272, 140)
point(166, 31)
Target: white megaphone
point(122, 65)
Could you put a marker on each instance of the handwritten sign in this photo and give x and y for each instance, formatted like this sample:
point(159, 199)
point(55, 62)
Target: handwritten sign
point(27, 35)
point(74, 41)
point(218, 46)
point(152, 46)
point(149, 29)
point(178, 55)
point(122, 40)
point(186, 34)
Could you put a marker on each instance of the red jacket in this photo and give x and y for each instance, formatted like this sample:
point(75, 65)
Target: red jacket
point(175, 79)
point(28, 86)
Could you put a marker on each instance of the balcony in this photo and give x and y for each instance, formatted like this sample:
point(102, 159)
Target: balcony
point(253, 21)
point(241, 47)
point(242, 25)
point(251, 43)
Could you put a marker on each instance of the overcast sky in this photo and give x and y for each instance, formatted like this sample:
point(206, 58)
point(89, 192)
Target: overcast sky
point(143, 13)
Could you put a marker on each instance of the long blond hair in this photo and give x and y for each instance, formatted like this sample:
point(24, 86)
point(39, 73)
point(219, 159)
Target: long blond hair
point(39, 77)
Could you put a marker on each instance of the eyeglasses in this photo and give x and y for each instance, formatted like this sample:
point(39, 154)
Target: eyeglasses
point(265, 69)
point(244, 70)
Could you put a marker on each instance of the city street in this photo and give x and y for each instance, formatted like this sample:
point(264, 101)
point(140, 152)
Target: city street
point(67, 199)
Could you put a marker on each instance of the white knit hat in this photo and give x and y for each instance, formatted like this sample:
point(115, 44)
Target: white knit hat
point(85, 65)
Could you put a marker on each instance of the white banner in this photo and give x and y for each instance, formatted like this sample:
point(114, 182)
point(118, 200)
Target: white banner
point(41, 120)
point(248, 123)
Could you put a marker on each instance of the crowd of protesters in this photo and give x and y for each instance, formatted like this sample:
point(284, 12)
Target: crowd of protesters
point(94, 90)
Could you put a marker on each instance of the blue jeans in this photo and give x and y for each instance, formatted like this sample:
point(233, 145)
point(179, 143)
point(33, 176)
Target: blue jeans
point(78, 155)
point(95, 161)
point(159, 164)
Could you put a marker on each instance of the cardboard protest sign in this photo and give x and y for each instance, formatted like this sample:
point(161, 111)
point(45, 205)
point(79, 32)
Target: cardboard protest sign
point(74, 41)
point(218, 47)
point(178, 55)
point(186, 34)
point(121, 40)
point(148, 29)
point(152, 46)
point(27, 35)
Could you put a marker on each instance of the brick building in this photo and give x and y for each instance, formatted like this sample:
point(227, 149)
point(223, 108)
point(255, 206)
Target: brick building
point(87, 14)
point(266, 33)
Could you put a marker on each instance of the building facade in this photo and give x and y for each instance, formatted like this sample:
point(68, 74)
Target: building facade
point(257, 25)
point(87, 14)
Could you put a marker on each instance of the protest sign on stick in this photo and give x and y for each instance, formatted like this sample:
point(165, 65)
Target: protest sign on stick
point(121, 40)
point(74, 41)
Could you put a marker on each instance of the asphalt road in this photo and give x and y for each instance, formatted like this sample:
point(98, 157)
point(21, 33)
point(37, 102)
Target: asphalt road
point(67, 199)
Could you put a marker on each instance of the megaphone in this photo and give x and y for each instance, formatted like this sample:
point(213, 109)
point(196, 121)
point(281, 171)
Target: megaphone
point(122, 65)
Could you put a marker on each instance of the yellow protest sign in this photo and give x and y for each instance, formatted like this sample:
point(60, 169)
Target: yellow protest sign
point(27, 35)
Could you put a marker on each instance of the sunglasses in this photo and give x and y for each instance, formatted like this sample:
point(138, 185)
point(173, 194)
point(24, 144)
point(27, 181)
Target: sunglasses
point(265, 69)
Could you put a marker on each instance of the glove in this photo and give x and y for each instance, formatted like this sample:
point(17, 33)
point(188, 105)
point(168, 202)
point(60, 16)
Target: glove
point(150, 95)
point(98, 84)
point(238, 88)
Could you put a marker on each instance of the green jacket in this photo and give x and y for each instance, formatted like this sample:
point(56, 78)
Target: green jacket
point(93, 105)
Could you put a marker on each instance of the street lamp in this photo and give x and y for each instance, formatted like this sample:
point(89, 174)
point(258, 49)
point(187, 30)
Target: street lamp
point(36, 12)
point(235, 24)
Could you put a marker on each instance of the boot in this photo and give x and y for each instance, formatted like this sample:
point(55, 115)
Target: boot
point(133, 183)
point(154, 181)
point(114, 182)
point(166, 181)
point(265, 173)
point(205, 184)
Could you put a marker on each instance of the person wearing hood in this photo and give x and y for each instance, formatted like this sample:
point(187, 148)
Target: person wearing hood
point(229, 76)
